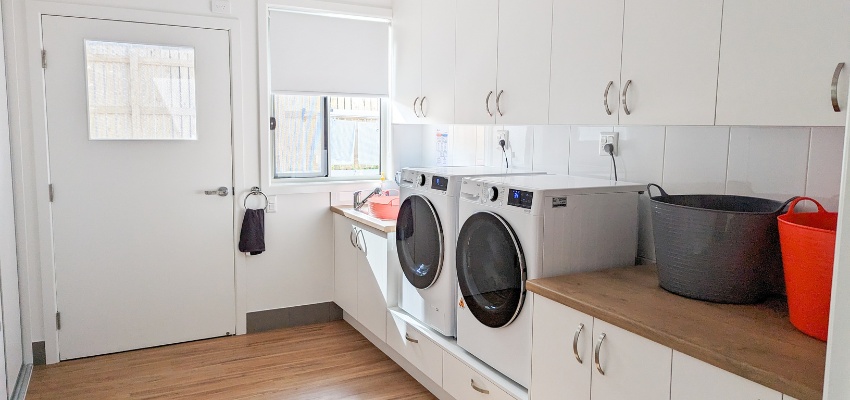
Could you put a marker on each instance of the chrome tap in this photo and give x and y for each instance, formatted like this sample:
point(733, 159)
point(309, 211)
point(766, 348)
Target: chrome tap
point(357, 203)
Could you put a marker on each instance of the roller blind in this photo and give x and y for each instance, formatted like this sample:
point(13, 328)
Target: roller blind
point(328, 54)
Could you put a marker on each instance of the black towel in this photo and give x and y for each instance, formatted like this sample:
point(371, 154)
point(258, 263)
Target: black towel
point(252, 239)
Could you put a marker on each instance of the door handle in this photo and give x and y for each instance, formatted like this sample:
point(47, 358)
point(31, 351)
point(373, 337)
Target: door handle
point(834, 87)
point(575, 343)
point(222, 191)
point(416, 100)
point(421, 102)
point(625, 99)
point(487, 103)
point(498, 108)
point(596, 354)
point(607, 88)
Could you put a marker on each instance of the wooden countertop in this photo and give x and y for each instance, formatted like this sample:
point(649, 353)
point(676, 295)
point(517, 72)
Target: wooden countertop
point(384, 225)
point(756, 342)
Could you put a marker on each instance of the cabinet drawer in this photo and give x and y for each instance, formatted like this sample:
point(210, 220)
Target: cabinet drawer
point(696, 380)
point(458, 380)
point(415, 347)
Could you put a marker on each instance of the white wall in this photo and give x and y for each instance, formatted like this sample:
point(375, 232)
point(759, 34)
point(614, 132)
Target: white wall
point(775, 163)
point(297, 268)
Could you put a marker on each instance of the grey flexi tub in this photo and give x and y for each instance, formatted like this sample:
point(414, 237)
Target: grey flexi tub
point(717, 248)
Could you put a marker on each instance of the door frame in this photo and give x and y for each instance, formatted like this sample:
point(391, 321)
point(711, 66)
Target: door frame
point(34, 11)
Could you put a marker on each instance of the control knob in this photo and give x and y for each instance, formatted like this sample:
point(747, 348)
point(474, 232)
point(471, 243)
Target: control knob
point(493, 193)
point(421, 180)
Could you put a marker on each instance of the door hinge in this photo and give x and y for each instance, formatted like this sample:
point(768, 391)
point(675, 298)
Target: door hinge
point(44, 59)
point(273, 123)
point(58, 321)
point(50, 191)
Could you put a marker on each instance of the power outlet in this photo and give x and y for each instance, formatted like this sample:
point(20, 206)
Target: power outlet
point(502, 135)
point(606, 138)
point(272, 204)
point(221, 6)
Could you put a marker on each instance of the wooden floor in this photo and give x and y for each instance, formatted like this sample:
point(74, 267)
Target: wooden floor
point(324, 361)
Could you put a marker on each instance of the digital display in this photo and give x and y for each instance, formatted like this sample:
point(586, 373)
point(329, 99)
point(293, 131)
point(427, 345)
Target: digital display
point(519, 198)
point(439, 183)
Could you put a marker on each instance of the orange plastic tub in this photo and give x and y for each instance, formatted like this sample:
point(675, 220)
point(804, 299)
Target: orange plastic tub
point(808, 250)
point(384, 206)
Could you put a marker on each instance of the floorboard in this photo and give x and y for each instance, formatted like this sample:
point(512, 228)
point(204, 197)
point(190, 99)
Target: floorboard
point(323, 361)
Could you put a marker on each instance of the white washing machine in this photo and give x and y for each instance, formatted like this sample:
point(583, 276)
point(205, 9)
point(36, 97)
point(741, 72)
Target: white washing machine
point(425, 237)
point(529, 227)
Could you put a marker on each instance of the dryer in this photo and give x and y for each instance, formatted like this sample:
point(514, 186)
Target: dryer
point(425, 238)
point(528, 227)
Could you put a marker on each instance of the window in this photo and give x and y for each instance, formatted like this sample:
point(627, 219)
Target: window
point(326, 136)
point(140, 91)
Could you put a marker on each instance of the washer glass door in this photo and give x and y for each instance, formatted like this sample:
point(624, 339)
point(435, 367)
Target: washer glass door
point(490, 269)
point(419, 239)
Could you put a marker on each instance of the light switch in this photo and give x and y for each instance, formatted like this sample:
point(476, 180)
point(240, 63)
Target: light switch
point(272, 204)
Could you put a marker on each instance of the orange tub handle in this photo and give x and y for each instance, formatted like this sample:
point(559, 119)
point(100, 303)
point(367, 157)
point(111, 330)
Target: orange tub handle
point(799, 199)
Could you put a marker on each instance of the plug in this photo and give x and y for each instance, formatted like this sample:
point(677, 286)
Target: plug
point(502, 143)
point(609, 148)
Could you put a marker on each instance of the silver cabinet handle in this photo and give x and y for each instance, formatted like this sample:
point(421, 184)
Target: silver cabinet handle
point(625, 102)
point(222, 191)
point(477, 388)
point(351, 236)
point(834, 87)
point(421, 102)
point(414, 107)
point(607, 88)
point(487, 103)
point(596, 354)
point(361, 246)
point(499, 96)
point(575, 343)
point(410, 339)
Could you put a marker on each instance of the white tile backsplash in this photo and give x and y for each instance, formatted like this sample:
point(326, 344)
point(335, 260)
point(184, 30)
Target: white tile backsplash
point(695, 159)
point(551, 149)
point(768, 162)
point(823, 177)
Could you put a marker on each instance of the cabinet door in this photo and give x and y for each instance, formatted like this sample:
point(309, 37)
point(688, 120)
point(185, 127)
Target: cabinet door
point(438, 61)
point(415, 347)
point(670, 53)
point(372, 288)
point(635, 368)
point(475, 48)
point(556, 373)
point(345, 265)
point(696, 380)
point(587, 44)
point(407, 62)
point(525, 46)
point(777, 61)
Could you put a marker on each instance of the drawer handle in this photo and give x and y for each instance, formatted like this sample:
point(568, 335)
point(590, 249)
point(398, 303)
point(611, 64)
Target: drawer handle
point(410, 339)
point(596, 354)
point(834, 87)
point(487, 103)
point(575, 343)
point(625, 99)
point(477, 389)
point(607, 88)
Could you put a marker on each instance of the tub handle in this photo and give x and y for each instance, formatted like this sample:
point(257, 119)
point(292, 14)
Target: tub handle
point(799, 199)
point(649, 190)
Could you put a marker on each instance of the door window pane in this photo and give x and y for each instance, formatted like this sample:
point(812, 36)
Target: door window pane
point(140, 91)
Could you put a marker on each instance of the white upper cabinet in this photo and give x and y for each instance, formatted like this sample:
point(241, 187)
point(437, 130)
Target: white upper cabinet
point(670, 55)
point(476, 41)
point(696, 380)
point(777, 62)
point(437, 105)
point(562, 349)
point(525, 45)
point(587, 43)
point(634, 368)
point(407, 61)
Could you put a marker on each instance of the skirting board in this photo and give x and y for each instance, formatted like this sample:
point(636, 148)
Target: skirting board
point(23, 383)
point(432, 386)
point(39, 355)
point(279, 318)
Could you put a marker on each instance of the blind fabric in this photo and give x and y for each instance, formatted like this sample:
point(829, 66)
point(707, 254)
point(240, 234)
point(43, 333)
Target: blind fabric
point(312, 53)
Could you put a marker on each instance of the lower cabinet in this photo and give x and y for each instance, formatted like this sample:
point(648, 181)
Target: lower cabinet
point(564, 364)
point(696, 380)
point(362, 279)
point(463, 383)
point(415, 347)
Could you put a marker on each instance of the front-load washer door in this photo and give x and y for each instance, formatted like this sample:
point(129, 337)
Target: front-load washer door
point(490, 269)
point(419, 239)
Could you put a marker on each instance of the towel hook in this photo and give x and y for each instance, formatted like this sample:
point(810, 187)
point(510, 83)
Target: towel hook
point(255, 191)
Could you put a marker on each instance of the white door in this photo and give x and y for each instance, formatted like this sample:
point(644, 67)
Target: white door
point(635, 368)
point(561, 352)
point(670, 54)
point(345, 265)
point(777, 62)
point(525, 46)
point(372, 289)
point(586, 66)
point(139, 127)
point(407, 53)
point(438, 61)
point(476, 44)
